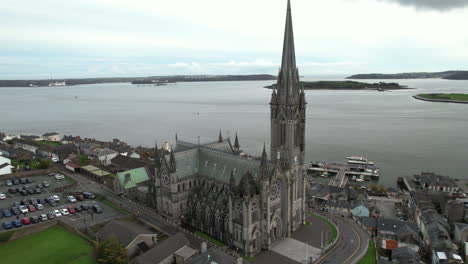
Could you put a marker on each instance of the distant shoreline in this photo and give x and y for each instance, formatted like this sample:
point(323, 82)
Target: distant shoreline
point(136, 80)
point(349, 85)
point(448, 75)
point(419, 97)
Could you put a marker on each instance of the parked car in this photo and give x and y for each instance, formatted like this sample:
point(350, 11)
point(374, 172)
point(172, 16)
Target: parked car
point(17, 223)
point(23, 192)
point(57, 213)
point(78, 209)
point(71, 209)
point(59, 177)
point(31, 191)
point(89, 195)
point(31, 208)
point(15, 210)
point(12, 190)
point(2, 196)
point(25, 187)
point(8, 183)
point(23, 209)
point(29, 180)
point(41, 201)
point(39, 186)
point(71, 199)
point(7, 225)
point(34, 219)
point(6, 213)
point(97, 209)
point(43, 217)
point(51, 215)
point(18, 189)
point(39, 206)
point(24, 202)
point(64, 211)
point(16, 182)
point(85, 207)
point(80, 197)
point(37, 191)
point(45, 184)
point(56, 198)
point(25, 221)
point(23, 181)
point(33, 201)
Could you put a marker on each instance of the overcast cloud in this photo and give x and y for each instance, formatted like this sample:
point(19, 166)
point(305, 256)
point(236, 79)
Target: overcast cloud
point(97, 38)
point(433, 4)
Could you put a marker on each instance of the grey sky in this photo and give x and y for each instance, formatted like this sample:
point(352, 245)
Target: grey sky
point(155, 37)
point(433, 4)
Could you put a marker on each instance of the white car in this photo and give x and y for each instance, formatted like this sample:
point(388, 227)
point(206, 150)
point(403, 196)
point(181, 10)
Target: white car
point(23, 209)
point(57, 213)
point(59, 176)
point(39, 206)
point(71, 199)
point(43, 217)
point(64, 211)
point(56, 198)
point(55, 160)
point(2, 196)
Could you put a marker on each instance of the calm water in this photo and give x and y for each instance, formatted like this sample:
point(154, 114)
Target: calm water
point(402, 135)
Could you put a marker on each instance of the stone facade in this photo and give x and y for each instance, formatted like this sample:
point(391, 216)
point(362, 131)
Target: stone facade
point(244, 202)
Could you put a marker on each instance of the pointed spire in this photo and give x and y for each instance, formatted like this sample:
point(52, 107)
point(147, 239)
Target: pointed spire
point(236, 143)
point(172, 161)
point(176, 137)
point(220, 138)
point(157, 157)
point(289, 58)
point(273, 96)
point(264, 161)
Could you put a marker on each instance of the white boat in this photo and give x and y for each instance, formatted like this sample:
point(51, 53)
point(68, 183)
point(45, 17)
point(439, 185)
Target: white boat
point(324, 174)
point(359, 160)
point(57, 84)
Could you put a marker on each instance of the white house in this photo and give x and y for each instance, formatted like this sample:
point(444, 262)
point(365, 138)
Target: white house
point(105, 155)
point(5, 166)
point(53, 136)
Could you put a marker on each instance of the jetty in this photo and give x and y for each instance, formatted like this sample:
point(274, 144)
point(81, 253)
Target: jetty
point(344, 172)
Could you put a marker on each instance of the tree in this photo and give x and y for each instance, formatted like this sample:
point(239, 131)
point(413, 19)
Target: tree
point(111, 252)
point(84, 160)
point(44, 164)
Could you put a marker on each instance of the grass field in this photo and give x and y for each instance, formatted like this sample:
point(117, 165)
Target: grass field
point(370, 257)
point(49, 143)
point(54, 245)
point(440, 96)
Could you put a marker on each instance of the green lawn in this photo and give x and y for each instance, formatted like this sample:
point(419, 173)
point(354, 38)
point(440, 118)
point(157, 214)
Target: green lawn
point(330, 224)
point(370, 257)
point(54, 245)
point(207, 237)
point(452, 96)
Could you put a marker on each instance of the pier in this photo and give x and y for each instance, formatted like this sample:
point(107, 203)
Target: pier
point(342, 172)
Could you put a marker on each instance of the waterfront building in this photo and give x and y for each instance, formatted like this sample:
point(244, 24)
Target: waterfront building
point(244, 202)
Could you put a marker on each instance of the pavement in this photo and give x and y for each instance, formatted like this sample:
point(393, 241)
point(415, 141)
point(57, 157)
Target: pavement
point(353, 242)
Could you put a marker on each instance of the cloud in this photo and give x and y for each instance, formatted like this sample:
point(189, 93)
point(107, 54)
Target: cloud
point(440, 5)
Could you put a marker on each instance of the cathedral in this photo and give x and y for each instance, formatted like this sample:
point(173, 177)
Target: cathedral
point(246, 203)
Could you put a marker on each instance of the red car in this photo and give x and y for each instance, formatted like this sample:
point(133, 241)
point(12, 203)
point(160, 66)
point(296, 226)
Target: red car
point(71, 209)
point(31, 208)
point(80, 197)
point(25, 221)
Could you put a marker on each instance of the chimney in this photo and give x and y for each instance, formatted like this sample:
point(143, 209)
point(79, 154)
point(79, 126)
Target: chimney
point(203, 247)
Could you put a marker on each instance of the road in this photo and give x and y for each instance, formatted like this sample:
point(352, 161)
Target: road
point(353, 242)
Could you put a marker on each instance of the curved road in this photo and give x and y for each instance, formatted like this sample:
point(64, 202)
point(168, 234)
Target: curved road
point(353, 242)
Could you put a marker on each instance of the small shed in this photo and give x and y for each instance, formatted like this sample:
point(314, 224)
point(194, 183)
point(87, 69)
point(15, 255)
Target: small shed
point(95, 172)
point(360, 210)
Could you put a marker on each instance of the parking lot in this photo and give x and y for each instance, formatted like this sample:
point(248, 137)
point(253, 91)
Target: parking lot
point(79, 219)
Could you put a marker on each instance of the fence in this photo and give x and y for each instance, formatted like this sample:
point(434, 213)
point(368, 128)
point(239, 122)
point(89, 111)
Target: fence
point(27, 174)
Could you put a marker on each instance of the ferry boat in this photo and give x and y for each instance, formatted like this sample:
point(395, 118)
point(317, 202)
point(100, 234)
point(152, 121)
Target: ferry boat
point(359, 160)
point(58, 83)
point(324, 174)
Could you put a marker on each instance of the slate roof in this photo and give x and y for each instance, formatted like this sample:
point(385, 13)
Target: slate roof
point(137, 176)
point(4, 165)
point(163, 250)
point(124, 231)
point(29, 137)
point(391, 225)
point(213, 255)
point(434, 179)
point(127, 162)
point(368, 221)
point(405, 255)
point(463, 227)
point(50, 134)
point(224, 146)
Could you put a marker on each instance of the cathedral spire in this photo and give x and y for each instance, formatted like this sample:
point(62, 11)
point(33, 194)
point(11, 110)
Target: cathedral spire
point(220, 138)
point(264, 160)
point(157, 157)
point(236, 143)
point(172, 161)
point(289, 58)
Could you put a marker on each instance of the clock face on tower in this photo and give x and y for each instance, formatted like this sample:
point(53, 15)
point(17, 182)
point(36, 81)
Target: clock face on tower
point(165, 177)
